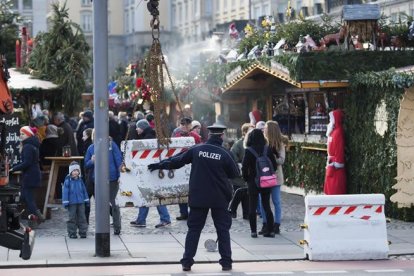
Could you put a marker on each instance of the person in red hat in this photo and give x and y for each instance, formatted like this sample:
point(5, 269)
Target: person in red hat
point(30, 178)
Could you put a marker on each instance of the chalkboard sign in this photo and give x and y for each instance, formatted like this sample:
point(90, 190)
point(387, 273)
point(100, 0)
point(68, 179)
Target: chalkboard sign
point(12, 124)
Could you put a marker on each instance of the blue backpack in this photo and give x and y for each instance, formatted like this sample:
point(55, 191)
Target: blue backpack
point(265, 173)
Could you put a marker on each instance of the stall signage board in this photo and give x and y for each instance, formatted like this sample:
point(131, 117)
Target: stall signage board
point(141, 187)
point(12, 126)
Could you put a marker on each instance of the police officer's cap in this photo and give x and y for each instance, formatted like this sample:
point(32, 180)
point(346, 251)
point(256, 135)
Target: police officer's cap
point(216, 129)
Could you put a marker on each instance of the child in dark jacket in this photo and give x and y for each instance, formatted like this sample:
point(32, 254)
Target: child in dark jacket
point(74, 199)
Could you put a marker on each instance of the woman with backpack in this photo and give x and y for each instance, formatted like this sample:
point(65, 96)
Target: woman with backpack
point(276, 141)
point(256, 146)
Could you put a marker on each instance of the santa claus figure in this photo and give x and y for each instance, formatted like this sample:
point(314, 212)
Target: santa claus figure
point(233, 32)
point(335, 178)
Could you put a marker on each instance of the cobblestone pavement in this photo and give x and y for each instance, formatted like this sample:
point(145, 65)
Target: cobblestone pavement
point(293, 212)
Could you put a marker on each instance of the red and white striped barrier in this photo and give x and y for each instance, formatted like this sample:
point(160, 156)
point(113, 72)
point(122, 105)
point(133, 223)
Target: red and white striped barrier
point(141, 187)
point(345, 227)
point(156, 153)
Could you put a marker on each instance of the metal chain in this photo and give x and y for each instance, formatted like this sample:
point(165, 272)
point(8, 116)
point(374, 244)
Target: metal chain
point(155, 73)
point(155, 70)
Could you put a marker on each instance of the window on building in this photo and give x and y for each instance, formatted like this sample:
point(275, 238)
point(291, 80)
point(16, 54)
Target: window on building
point(133, 20)
point(217, 6)
point(195, 7)
point(186, 13)
point(256, 12)
point(127, 24)
point(208, 7)
point(225, 5)
point(15, 4)
point(174, 14)
point(298, 4)
point(266, 10)
point(180, 13)
point(27, 4)
point(86, 2)
point(86, 22)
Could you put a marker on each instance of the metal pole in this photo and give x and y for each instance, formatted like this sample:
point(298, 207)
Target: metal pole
point(101, 141)
point(250, 10)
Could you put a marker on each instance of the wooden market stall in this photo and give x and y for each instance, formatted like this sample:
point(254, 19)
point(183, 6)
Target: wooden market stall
point(27, 91)
point(300, 107)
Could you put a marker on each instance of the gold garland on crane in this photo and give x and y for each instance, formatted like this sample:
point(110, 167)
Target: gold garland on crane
point(154, 71)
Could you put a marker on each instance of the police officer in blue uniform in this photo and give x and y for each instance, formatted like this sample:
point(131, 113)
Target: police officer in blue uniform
point(211, 168)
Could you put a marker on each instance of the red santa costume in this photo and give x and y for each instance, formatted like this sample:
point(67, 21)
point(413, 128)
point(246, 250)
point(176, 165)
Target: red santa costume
point(233, 32)
point(335, 178)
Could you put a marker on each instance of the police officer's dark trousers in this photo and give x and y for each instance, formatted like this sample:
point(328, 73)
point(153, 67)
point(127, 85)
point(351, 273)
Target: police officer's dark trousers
point(196, 221)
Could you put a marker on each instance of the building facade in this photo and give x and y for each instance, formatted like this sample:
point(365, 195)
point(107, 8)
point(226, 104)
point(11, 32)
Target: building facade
point(137, 29)
point(188, 22)
point(34, 15)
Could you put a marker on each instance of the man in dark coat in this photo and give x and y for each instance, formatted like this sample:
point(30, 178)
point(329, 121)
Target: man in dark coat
point(209, 188)
point(87, 122)
point(66, 135)
point(114, 129)
point(49, 145)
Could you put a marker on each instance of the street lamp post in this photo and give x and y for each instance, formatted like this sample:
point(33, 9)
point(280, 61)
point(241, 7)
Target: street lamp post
point(101, 141)
point(250, 10)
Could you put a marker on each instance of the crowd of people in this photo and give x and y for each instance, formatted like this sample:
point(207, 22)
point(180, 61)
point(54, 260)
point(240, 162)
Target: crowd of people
point(230, 181)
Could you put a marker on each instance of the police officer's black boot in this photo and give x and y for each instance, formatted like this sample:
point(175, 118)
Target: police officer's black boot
point(269, 232)
point(264, 229)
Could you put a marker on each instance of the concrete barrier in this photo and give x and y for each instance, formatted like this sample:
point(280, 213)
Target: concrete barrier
point(140, 187)
point(345, 227)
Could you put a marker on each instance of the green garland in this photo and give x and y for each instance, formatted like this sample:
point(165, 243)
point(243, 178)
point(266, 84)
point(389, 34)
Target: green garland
point(305, 168)
point(372, 159)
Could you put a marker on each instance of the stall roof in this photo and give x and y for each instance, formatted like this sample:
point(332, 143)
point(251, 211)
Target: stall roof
point(19, 81)
point(361, 12)
point(236, 81)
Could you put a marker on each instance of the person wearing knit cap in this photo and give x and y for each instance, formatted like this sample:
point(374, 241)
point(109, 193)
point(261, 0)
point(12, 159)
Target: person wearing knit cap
point(30, 177)
point(144, 130)
point(74, 199)
point(260, 125)
point(49, 146)
point(142, 125)
point(27, 131)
